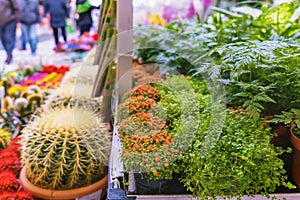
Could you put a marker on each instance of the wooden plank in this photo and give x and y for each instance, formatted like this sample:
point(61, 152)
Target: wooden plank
point(125, 44)
point(124, 64)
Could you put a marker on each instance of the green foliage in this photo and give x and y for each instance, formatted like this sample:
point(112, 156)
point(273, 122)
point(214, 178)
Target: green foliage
point(288, 117)
point(180, 44)
point(262, 77)
point(242, 162)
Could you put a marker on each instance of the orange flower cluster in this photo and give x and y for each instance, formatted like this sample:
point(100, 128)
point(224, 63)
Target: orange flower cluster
point(142, 131)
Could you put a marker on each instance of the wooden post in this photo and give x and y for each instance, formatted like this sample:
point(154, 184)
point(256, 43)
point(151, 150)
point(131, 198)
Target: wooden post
point(125, 45)
point(123, 74)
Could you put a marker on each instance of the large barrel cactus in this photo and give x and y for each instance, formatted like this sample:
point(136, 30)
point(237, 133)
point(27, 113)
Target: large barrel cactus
point(69, 95)
point(65, 149)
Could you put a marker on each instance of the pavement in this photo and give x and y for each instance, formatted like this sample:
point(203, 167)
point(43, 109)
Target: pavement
point(45, 53)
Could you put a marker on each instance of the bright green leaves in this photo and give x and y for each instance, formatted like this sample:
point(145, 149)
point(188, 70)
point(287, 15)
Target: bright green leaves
point(278, 18)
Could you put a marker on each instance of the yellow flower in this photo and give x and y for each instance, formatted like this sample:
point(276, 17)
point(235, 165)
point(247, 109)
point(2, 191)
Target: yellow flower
point(157, 20)
point(14, 89)
point(12, 74)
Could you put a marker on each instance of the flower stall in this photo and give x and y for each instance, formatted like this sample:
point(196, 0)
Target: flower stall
point(193, 106)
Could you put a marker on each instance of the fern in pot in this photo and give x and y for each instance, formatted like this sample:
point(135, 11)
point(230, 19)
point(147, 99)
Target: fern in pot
point(63, 150)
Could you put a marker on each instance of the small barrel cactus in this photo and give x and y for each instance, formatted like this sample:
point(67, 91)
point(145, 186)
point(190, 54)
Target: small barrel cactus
point(84, 74)
point(5, 138)
point(65, 148)
point(70, 95)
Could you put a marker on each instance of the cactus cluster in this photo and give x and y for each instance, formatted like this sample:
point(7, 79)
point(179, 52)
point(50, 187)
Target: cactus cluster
point(70, 95)
point(81, 75)
point(5, 138)
point(65, 148)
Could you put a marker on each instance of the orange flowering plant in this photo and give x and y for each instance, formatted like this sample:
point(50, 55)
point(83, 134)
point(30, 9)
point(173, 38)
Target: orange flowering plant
point(152, 125)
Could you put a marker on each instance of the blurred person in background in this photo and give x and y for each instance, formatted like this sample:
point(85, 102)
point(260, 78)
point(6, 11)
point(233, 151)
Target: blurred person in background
point(23, 39)
point(59, 12)
point(84, 10)
point(10, 14)
point(29, 19)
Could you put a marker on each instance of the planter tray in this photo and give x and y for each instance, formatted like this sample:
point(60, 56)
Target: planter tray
point(294, 196)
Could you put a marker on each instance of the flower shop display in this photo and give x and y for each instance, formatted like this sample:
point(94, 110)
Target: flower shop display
point(167, 123)
point(65, 149)
point(85, 42)
point(242, 154)
point(48, 78)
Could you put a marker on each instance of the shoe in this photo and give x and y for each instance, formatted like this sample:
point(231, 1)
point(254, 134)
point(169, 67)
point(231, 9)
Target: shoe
point(22, 49)
point(8, 59)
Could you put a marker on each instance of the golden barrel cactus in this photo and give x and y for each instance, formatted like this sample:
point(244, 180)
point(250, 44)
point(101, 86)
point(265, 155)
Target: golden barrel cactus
point(65, 148)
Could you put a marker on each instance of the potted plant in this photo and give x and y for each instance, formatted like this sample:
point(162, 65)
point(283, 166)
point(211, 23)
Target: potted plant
point(234, 161)
point(148, 117)
point(242, 161)
point(292, 118)
point(65, 154)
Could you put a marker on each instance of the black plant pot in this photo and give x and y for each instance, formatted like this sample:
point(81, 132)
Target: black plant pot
point(145, 186)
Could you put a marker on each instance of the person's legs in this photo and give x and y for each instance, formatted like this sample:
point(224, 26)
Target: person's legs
point(33, 39)
point(9, 33)
point(84, 29)
point(23, 36)
point(55, 34)
point(2, 36)
point(64, 34)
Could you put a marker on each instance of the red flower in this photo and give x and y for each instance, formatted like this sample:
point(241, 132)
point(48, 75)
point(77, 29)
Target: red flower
point(7, 196)
point(15, 146)
point(20, 195)
point(23, 195)
point(8, 182)
point(49, 68)
point(95, 36)
point(8, 153)
point(11, 164)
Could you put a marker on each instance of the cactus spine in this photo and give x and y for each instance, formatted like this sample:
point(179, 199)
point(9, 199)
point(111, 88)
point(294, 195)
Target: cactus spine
point(65, 148)
point(69, 95)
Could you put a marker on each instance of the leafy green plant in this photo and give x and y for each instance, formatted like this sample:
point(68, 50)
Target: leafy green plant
point(154, 119)
point(262, 77)
point(242, 162)
point(291, 118)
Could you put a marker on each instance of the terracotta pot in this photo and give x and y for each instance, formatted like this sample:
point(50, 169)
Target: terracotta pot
point(296, 159)
point(62, 194)
point(280, 129)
